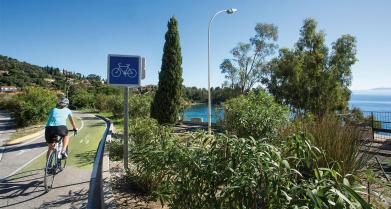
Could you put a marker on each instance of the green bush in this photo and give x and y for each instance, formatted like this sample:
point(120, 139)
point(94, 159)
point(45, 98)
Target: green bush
point(116, 105)
point(32, 106)
point(116, 150)
point(256, 115)
point(230, 172)
point(342, 143)
point(146, 139)
point(140, 105)
point(81, 98)
point(6, 101)
point(102, 102)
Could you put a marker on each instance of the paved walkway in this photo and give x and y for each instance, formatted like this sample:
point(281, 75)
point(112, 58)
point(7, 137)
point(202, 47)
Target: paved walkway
point(21, 181)
point(6, 126)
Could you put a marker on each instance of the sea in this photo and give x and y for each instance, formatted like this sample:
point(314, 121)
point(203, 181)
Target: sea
point(367, 100)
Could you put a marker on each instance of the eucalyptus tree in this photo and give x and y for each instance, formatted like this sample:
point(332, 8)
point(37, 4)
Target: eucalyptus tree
point(249, 61)
point(308, 77)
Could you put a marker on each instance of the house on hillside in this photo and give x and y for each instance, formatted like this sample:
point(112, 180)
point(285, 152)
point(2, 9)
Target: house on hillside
point(8, 89)
point(4, 72)
point(49, 80)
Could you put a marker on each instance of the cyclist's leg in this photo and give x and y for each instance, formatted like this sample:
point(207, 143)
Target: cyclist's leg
point(50, 147)
point(49, 134)
point(66, 142)
point(63, 131)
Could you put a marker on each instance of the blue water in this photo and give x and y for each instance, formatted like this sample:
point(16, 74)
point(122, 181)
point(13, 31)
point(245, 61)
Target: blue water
point(371, 100)
point(368, 100)
point(201, 111)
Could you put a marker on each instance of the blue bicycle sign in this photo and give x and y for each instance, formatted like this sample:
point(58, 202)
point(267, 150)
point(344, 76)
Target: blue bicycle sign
point(124, 70)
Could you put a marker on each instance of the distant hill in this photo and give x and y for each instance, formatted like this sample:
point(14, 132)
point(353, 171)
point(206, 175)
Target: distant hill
point(383, 89)
point(21, 74)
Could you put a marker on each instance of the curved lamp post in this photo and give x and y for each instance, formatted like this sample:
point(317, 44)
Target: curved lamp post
point(228, 11)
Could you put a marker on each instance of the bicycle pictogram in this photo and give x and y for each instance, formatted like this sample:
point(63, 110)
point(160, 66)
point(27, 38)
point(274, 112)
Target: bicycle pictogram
point(124, 70)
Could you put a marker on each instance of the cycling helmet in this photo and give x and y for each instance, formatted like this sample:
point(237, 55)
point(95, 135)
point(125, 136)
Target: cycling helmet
point(63, 102)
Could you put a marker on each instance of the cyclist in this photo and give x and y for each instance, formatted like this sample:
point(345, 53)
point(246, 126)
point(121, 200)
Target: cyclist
point(57, 126)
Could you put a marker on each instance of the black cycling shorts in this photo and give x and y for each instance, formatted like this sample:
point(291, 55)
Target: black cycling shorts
point(52, 131)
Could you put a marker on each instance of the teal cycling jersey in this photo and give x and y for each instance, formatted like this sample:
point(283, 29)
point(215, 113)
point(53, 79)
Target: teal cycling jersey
point(58, 117)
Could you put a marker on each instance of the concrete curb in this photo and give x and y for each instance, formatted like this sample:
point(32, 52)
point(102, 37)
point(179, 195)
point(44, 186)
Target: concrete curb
point(25, 138)
point(100, 193)
point(106, 176)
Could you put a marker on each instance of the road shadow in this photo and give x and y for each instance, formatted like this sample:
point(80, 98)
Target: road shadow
point(85, 158)
point(76, 199)
point(19, 189)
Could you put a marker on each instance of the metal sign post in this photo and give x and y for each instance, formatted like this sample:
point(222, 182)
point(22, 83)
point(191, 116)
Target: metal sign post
point(126, 127)
point(127, 71)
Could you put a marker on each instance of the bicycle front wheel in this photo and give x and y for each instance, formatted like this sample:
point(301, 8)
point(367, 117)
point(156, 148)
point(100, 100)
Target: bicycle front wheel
point(50, 170)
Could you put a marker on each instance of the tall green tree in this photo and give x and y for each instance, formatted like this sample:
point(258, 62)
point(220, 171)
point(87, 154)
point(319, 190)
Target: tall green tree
point(308, 78)
point(248, 65)
point(166, 103)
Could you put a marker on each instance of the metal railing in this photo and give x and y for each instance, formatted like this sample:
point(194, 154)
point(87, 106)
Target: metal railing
point(380, 122)
point(95, 193)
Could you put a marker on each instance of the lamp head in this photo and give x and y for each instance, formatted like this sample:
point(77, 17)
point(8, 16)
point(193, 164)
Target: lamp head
point(231, 10)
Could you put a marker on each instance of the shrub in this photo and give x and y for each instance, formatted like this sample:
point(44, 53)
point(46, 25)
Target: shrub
point(6, 101)
point(81, 98)
point(33, 106)
point(140, 105)
point(147, 137)
point(116, 150)
point(102, 102)
point(256, 115)
point(116, 105)
point(230, 172)
point(342, 143)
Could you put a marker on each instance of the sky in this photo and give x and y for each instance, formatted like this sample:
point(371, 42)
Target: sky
point(79, 34)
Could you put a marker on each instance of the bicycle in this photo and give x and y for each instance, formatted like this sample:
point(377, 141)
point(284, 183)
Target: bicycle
point(54, 164)
point(124, 69)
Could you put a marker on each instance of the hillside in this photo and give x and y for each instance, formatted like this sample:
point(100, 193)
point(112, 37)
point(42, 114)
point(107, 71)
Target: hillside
point(21, 74)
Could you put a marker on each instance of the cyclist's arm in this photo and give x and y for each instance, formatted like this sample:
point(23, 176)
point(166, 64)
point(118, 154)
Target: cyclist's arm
point(72, 122)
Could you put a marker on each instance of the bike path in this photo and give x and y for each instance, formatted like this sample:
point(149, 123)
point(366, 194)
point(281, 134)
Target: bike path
point(25, 189)
point(6, 129)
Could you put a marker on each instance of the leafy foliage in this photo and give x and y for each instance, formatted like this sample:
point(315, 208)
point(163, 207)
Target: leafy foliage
point(23, 74)
point(230, 172)
point(255, 114)
point(32, 106)
point(166, 103)
point(310, 79)
point(116, 150)
point(248, 65)
point(344, 144)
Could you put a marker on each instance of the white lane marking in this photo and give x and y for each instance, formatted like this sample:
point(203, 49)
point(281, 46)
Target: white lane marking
point(34, 139)
point(36, 157)
point(24, 165)
point(1, 152)
point(82, 123)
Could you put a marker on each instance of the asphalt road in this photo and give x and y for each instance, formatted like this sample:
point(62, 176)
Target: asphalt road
point(21, 185)
point(6, 129)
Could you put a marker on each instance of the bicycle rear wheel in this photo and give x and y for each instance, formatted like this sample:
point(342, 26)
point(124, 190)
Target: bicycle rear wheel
point(50, 170)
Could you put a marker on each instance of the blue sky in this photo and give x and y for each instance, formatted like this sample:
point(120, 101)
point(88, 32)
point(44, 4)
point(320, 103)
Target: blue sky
point(78, 35)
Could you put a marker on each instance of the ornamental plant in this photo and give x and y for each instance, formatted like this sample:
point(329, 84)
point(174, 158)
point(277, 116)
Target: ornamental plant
point(256, 115)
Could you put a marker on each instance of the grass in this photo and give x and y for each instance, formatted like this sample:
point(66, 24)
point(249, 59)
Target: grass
point(117, 122)
point(82, 147)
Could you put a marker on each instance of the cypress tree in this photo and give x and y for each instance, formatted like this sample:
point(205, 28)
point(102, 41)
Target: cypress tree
point(166, 103)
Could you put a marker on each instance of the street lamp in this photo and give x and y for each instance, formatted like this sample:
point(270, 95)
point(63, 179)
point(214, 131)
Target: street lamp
point(228, 11)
